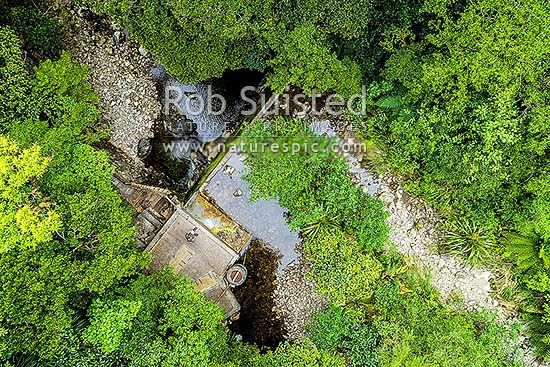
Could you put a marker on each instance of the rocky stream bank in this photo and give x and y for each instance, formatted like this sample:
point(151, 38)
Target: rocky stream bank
point(120, 78)
point(414, 233)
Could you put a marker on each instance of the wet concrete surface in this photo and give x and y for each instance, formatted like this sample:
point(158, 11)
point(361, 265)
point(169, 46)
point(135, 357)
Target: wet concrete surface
point(265, 219)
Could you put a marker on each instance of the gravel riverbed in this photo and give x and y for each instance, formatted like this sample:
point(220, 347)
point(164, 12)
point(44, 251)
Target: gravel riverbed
point(119, 72)
point(414, 233)
point(297, 298)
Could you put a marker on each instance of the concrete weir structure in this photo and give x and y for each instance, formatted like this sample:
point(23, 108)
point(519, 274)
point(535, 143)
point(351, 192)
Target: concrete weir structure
point(175, 238)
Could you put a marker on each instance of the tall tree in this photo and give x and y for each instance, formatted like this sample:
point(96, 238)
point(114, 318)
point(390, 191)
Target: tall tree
point(61, 251)
point(155, 321)
point(477, 144)
point(26, 219)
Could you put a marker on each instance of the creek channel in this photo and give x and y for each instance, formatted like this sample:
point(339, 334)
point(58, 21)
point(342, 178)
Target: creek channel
point(184, 152)
point(270, 251)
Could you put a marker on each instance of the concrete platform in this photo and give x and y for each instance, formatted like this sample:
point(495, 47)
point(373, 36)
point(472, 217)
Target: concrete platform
point(161, 227)
point(204, 260)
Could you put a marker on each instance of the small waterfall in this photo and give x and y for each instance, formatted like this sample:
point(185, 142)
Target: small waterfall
point(200, 103)
point(196, 115)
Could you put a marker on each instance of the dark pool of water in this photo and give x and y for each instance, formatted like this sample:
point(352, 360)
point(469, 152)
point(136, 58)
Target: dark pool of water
point(265, 219)
point(259, 323)
point(175, 165)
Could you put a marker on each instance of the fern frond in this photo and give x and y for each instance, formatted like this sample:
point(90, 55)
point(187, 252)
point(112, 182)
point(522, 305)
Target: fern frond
point(525, 249)
point(544, 254)
point(390, 102)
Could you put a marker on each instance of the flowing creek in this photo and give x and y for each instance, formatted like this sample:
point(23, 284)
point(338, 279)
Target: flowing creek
point(256, 230)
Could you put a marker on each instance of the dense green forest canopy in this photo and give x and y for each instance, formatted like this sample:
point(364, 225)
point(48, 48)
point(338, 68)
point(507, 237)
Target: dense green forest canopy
point(309, 43)
point(458, 108)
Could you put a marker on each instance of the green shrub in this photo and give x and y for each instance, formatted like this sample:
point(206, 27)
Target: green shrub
point(386, 297)
point(93, 247)
point(195, 40)
point(26, 219)
point(256, 59)
point(396, 352)
point(420, 331)
point(61, 92)
point(332, 331)
point(199, 39)
point(532, 257)
point(360, 346)
point(298, 355)
point(13, 77)
point(156, 321)
point(468, 146)
point(4, 13)
point(327, 328)
point(342, 270)
point(40, 33)
point(303, 60)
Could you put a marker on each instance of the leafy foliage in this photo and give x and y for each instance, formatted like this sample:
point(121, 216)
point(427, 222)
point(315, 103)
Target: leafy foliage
point(41, 33)
point(460, 112)
point(156, 322)
point(531, 256)
point(303, 60)
point(312, 183)
point(48, 274)
point(460, 108)
point(529, 250)
point(256, 59)
point(539, 330)
point(25, 220)
point(13, 76)
point(201, 39)
point(298, 355)
point(194, 40)
point(341, 269)
point(333, 331)
point(473, 144)
point(423, 332)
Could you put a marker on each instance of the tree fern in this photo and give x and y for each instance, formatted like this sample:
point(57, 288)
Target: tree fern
point(546, 340)
point(391, 102)
point(529, 250)
point(539, 335)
